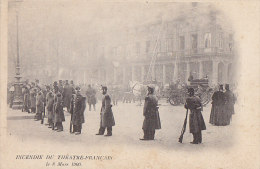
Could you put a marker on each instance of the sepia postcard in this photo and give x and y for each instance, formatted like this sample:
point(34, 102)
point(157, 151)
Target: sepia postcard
point(129, 84)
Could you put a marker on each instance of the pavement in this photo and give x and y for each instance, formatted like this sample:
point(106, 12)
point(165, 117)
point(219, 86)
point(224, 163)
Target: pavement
point(124, 149)
point(128, 128)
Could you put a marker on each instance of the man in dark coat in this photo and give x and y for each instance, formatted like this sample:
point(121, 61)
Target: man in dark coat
point(79, 105)
point(49, 107)
point(91, 97)
point(217, 110)
point(39, 105)
point(151, 115)
point(196, 121)
point(67, 94)
point(33, 92)
point(230, 100)
point(60, 86)
point(106, 115)
point(58, 111)
point(26, 103)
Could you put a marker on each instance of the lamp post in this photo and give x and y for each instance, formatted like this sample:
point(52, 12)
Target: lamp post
point(18, 97)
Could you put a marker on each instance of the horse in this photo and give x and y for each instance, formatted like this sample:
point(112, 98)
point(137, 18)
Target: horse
point(140, 90)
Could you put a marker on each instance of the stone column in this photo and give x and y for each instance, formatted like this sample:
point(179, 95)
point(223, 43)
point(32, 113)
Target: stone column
point(187, 72)
point(115, 75)
point(164, 74)
point(124, 75)
point(200, 69)
point(133, 73)
point(225, 73)
point(143, 73)
point(175, 72)
point(214, 72)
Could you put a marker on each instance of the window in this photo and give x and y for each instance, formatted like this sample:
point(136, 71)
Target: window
point(207, 39)
point(194, 41)
point(182, 43)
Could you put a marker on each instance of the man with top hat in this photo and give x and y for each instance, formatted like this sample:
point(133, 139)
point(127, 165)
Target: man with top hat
point(106, 115)
point(230, 100)
point(77, 111)
point(151, 115)
point(196, 121)
point(217, 109)
point(55, 93)
point(49, 106)
point(67, 94)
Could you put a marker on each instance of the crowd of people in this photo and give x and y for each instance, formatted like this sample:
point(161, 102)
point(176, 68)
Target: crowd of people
point(52, 100)
point(222, 106)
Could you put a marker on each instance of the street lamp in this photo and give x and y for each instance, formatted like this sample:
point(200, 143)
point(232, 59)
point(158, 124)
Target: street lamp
point(18, 97)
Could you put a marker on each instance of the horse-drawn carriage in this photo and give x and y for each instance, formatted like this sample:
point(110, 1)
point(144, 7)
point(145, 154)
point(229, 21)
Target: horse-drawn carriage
point(176, 94)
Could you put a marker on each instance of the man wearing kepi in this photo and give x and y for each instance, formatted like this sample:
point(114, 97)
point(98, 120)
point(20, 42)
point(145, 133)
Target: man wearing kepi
point(106, 115)
point(79, 105)
point(196, 121)
point(39, 105)
point(151, 115)
point(58, 112)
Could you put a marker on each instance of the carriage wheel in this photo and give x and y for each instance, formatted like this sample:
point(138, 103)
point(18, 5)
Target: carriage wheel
point(205, 98)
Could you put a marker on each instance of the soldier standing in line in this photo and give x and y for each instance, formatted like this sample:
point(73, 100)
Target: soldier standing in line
point(33, 92)
point(49, 107)
point(196, 121)
point(79, 105)
point(106, 115)
point(151, 115)
point(58, 112)
point(26, 99)
point(39, 105)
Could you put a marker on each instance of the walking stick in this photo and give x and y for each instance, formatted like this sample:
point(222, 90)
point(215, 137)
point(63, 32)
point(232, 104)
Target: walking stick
point(183, 128)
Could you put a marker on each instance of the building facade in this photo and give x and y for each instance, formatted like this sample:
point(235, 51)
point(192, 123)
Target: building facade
point(199, 43)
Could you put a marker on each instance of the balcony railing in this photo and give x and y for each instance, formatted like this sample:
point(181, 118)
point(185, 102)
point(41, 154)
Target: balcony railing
point(194, 52)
